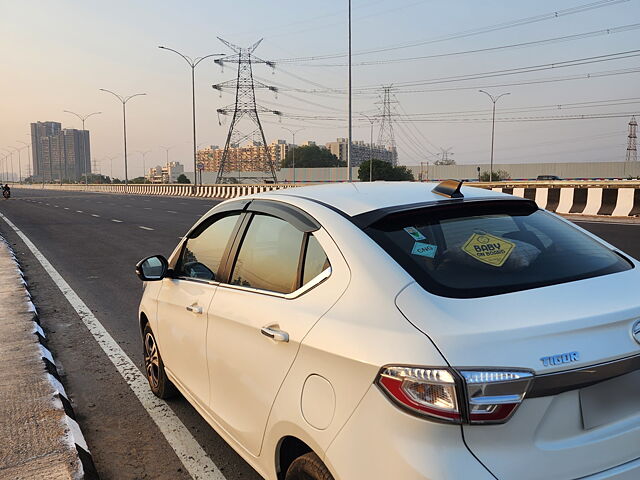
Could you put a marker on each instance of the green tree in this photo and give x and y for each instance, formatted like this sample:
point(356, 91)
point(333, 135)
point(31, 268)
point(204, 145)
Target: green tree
point(138, 180)
point(384, 171)
point(497, 176)
point(311, 156)
point(182, 178)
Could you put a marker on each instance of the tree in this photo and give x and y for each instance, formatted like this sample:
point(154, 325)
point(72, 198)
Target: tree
point(138, 180)
point(311, 156)
point(384, 171)
point(182, 178)
point(498, 175)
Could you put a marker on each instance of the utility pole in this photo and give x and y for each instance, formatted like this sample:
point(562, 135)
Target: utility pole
point(293, 148)
point(166, 149)
point(124, 101)
point(493, 126)
point(386, 136)
point(7, 167)
point(19, 162)
point(87, 158)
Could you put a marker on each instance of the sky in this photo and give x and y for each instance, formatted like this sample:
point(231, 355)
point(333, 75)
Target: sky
point(57, 55)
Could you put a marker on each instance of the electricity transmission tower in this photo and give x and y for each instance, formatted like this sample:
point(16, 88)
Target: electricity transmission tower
point(245, 108)
point(445, 157)
point(632, 148)
point(386, 136)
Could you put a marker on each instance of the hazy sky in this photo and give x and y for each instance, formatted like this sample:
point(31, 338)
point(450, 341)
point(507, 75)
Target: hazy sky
point(56, 55)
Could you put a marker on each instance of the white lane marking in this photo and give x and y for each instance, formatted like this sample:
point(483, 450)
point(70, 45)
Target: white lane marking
point(47, 205)
point(188, 450)
point(66, 208)
point(56, 206)
point(147, 208)
point(79, 211)
point(95, 215)
point(145, 228)
point(171, 211)
point(117, 221)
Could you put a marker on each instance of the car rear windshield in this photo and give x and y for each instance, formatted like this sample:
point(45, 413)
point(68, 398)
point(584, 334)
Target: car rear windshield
point(479, 249)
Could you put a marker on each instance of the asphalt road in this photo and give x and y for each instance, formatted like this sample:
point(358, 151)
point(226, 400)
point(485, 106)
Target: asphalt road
point(94, 241)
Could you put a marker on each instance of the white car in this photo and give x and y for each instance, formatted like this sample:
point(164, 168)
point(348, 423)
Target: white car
point(401, 331)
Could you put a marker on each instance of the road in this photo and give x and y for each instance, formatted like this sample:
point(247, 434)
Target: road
point(94, 241)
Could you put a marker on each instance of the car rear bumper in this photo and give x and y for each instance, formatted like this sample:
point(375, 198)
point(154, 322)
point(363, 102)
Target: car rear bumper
point(627, 471)
point(381, 441)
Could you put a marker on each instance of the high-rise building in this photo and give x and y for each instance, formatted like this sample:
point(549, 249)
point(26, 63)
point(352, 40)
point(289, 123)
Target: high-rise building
point(39, 131)
point(361, 152)
point(60, 154)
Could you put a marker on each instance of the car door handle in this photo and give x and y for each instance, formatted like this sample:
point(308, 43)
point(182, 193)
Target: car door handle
point(195, 309)
point(275, 334)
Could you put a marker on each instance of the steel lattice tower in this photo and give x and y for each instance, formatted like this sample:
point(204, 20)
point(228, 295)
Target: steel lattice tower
point(632, 148)
point(386, 136)
point(245, 108)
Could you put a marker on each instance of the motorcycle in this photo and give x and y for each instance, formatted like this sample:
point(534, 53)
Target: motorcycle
point(6, 193)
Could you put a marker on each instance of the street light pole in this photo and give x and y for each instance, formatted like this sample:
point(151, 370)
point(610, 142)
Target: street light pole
point(19, 162)
point(84, 144)
point(144, 155)
point(124, 101)
point(349, 175)
point(193, 63)
point(493, 126)
point(11, 159)
point(293, 150)
point(371, 121)
point(166, 149)
point(28, 156)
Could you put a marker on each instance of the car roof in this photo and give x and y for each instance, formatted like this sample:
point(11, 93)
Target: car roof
point(358, 198)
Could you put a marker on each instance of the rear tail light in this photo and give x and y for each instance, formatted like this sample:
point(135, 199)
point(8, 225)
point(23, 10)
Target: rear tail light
point(475, 396)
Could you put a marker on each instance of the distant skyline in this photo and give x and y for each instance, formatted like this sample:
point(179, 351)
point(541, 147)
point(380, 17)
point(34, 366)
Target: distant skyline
point(50, 67)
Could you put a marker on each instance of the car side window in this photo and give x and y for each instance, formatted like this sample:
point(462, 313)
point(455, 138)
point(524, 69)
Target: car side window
point(202, 254)
point(315, 260)
point(269, 256)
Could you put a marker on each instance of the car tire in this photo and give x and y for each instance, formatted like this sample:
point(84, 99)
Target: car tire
point(160, 385)
point(308, 467)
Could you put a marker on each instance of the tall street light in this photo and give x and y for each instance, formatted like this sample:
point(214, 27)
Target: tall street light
point(193, 63)
point(349, 175)
point(493, 126)
point(6, 165)
point(84, 143)
point(293, 150)
point(371, 121)
point(124, 101)
point(19, 162)
point(28, 156)
point(144, 156)
point(166, 149)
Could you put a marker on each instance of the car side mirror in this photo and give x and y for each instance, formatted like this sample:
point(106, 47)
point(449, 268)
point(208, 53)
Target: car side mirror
point(152, 269)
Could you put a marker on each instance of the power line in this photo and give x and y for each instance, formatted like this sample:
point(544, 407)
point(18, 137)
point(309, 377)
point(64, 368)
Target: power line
point(468, 33)
point(547, 41)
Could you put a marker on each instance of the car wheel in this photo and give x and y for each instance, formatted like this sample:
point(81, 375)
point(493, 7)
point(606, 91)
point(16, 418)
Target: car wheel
point(160, 385)
point(308, 467)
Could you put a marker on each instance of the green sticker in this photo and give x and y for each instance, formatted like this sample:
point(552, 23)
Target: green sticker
point(413, 231)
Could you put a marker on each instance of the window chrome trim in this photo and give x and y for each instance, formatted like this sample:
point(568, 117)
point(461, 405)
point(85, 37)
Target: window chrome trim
point(311, 284)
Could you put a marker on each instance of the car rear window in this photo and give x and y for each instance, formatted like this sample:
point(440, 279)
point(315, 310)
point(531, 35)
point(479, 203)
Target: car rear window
point(479, 249)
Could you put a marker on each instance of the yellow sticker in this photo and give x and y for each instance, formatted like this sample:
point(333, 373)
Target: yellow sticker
point(488, 248)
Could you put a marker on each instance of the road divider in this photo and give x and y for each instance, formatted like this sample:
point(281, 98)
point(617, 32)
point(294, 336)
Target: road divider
point(605, 198)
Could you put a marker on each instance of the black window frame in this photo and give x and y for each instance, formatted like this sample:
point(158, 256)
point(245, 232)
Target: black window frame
point(459, 209)
point(225, 255)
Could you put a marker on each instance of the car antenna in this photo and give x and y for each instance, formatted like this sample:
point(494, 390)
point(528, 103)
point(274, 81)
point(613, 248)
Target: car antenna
point(449, 189)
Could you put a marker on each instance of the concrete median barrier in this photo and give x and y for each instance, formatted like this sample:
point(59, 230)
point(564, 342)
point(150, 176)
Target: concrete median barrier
point(605, 198)
point(39, 435)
